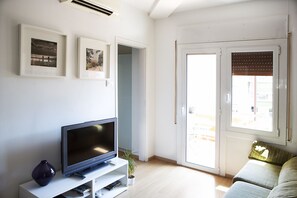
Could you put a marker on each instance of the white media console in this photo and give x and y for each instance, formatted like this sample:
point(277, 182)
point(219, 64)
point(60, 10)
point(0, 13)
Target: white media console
point(116, 170)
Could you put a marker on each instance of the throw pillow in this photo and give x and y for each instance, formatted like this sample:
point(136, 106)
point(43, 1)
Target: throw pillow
point(268, 153)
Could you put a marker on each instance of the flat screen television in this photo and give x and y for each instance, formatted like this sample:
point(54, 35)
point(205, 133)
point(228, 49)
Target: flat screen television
point(88, 145)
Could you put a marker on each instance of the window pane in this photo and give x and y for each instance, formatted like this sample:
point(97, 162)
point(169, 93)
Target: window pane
point(252, 91)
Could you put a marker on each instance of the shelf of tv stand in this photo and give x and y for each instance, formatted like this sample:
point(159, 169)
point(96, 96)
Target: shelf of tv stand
point(96, 180)
point(114, 192)
point(108, 178)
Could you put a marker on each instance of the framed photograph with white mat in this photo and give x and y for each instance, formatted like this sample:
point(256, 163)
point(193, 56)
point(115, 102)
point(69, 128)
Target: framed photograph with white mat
point(93, 59)
point(42, 52)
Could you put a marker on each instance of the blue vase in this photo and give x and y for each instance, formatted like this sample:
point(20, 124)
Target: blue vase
point(43, 173)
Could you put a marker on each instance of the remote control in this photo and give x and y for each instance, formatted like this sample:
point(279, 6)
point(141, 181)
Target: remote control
point(82, 189)
point(113, 185)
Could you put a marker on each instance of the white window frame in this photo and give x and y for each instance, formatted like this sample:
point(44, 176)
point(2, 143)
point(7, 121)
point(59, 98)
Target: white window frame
point(279, 126)
point(225, 88)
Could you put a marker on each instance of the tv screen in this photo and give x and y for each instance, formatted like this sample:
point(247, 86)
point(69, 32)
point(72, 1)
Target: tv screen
point(87, 145)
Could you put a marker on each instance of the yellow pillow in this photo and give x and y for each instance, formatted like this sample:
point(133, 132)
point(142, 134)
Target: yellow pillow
point(265, 152)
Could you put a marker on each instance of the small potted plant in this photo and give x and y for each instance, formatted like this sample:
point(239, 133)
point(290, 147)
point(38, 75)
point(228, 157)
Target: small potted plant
point(131, 166)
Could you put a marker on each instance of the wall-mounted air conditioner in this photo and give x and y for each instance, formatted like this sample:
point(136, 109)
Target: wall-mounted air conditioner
point(106, 7)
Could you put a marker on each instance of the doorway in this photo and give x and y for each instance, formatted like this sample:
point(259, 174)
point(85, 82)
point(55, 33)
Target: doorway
point(125, 138)
point(131, 93)
point(200, 97)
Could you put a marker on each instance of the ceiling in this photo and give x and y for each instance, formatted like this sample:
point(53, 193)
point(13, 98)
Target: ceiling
point(158, 9)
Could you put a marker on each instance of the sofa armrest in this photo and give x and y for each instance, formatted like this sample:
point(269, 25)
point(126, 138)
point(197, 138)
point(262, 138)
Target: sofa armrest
point(284, 190)
point(289, 171)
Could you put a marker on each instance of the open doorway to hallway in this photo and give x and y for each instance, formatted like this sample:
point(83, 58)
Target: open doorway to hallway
point(130, 95)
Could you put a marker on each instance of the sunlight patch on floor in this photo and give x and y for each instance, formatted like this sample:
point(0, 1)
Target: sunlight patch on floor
point(222, 188)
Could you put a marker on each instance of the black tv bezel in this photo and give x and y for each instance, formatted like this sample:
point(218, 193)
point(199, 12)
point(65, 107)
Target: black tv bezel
point(80, 167)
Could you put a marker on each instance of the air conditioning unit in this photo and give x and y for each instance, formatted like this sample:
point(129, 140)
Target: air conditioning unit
point(106, 7)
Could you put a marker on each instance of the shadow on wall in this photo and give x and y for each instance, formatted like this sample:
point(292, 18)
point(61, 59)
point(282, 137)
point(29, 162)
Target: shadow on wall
point(10, 56)
point(22, 155)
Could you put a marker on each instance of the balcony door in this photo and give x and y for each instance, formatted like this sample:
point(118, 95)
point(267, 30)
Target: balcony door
point(200, 128)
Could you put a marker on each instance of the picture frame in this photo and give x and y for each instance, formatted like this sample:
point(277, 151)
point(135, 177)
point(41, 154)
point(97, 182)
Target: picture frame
point(42, 52)
point(93, 59)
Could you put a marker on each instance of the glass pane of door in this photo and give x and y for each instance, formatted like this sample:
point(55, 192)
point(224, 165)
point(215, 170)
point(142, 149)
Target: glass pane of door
point(201, 109)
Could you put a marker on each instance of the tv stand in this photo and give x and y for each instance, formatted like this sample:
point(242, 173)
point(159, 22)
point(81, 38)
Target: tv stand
point(96, 180)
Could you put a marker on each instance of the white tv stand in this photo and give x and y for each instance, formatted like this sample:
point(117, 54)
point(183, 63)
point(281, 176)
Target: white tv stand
point(95, 180)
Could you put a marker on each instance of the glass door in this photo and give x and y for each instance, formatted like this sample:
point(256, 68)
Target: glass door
point(202, 111)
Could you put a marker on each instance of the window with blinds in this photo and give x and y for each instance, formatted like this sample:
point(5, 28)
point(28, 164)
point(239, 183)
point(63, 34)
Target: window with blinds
point(252, 90)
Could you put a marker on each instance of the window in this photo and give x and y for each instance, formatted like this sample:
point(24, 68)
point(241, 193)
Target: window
point(252, 90)
point(257, 93)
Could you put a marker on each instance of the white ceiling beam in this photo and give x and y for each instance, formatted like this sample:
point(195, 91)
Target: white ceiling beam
point(164, 8)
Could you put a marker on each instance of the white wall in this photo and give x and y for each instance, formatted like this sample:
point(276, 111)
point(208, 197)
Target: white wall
point(32, 110)
point(236, 148)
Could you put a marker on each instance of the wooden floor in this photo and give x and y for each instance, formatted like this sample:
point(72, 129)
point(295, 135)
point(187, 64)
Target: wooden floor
point(159, 179)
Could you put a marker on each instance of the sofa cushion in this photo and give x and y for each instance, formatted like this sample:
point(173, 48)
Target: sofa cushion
point(259, 173)
point(288, 171)
point(246, 190)
point(268, 153)
point(284, 190)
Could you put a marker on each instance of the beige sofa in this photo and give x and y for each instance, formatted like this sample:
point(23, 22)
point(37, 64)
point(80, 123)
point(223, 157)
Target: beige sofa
point(270, 172)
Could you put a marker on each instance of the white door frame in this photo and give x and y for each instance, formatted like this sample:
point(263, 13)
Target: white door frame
point(183, 50)
point(143, 136)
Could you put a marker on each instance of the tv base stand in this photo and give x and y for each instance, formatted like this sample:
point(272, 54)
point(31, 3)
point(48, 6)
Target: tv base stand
point(81, 174)
point(78, 175)
point(96, 180)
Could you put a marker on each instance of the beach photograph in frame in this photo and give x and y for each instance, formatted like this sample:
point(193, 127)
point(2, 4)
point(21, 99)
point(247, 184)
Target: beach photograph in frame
point(42, 52)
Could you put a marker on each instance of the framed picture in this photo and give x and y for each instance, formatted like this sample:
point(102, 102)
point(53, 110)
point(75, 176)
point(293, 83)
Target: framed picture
point(93, 59)
point(42, 52)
